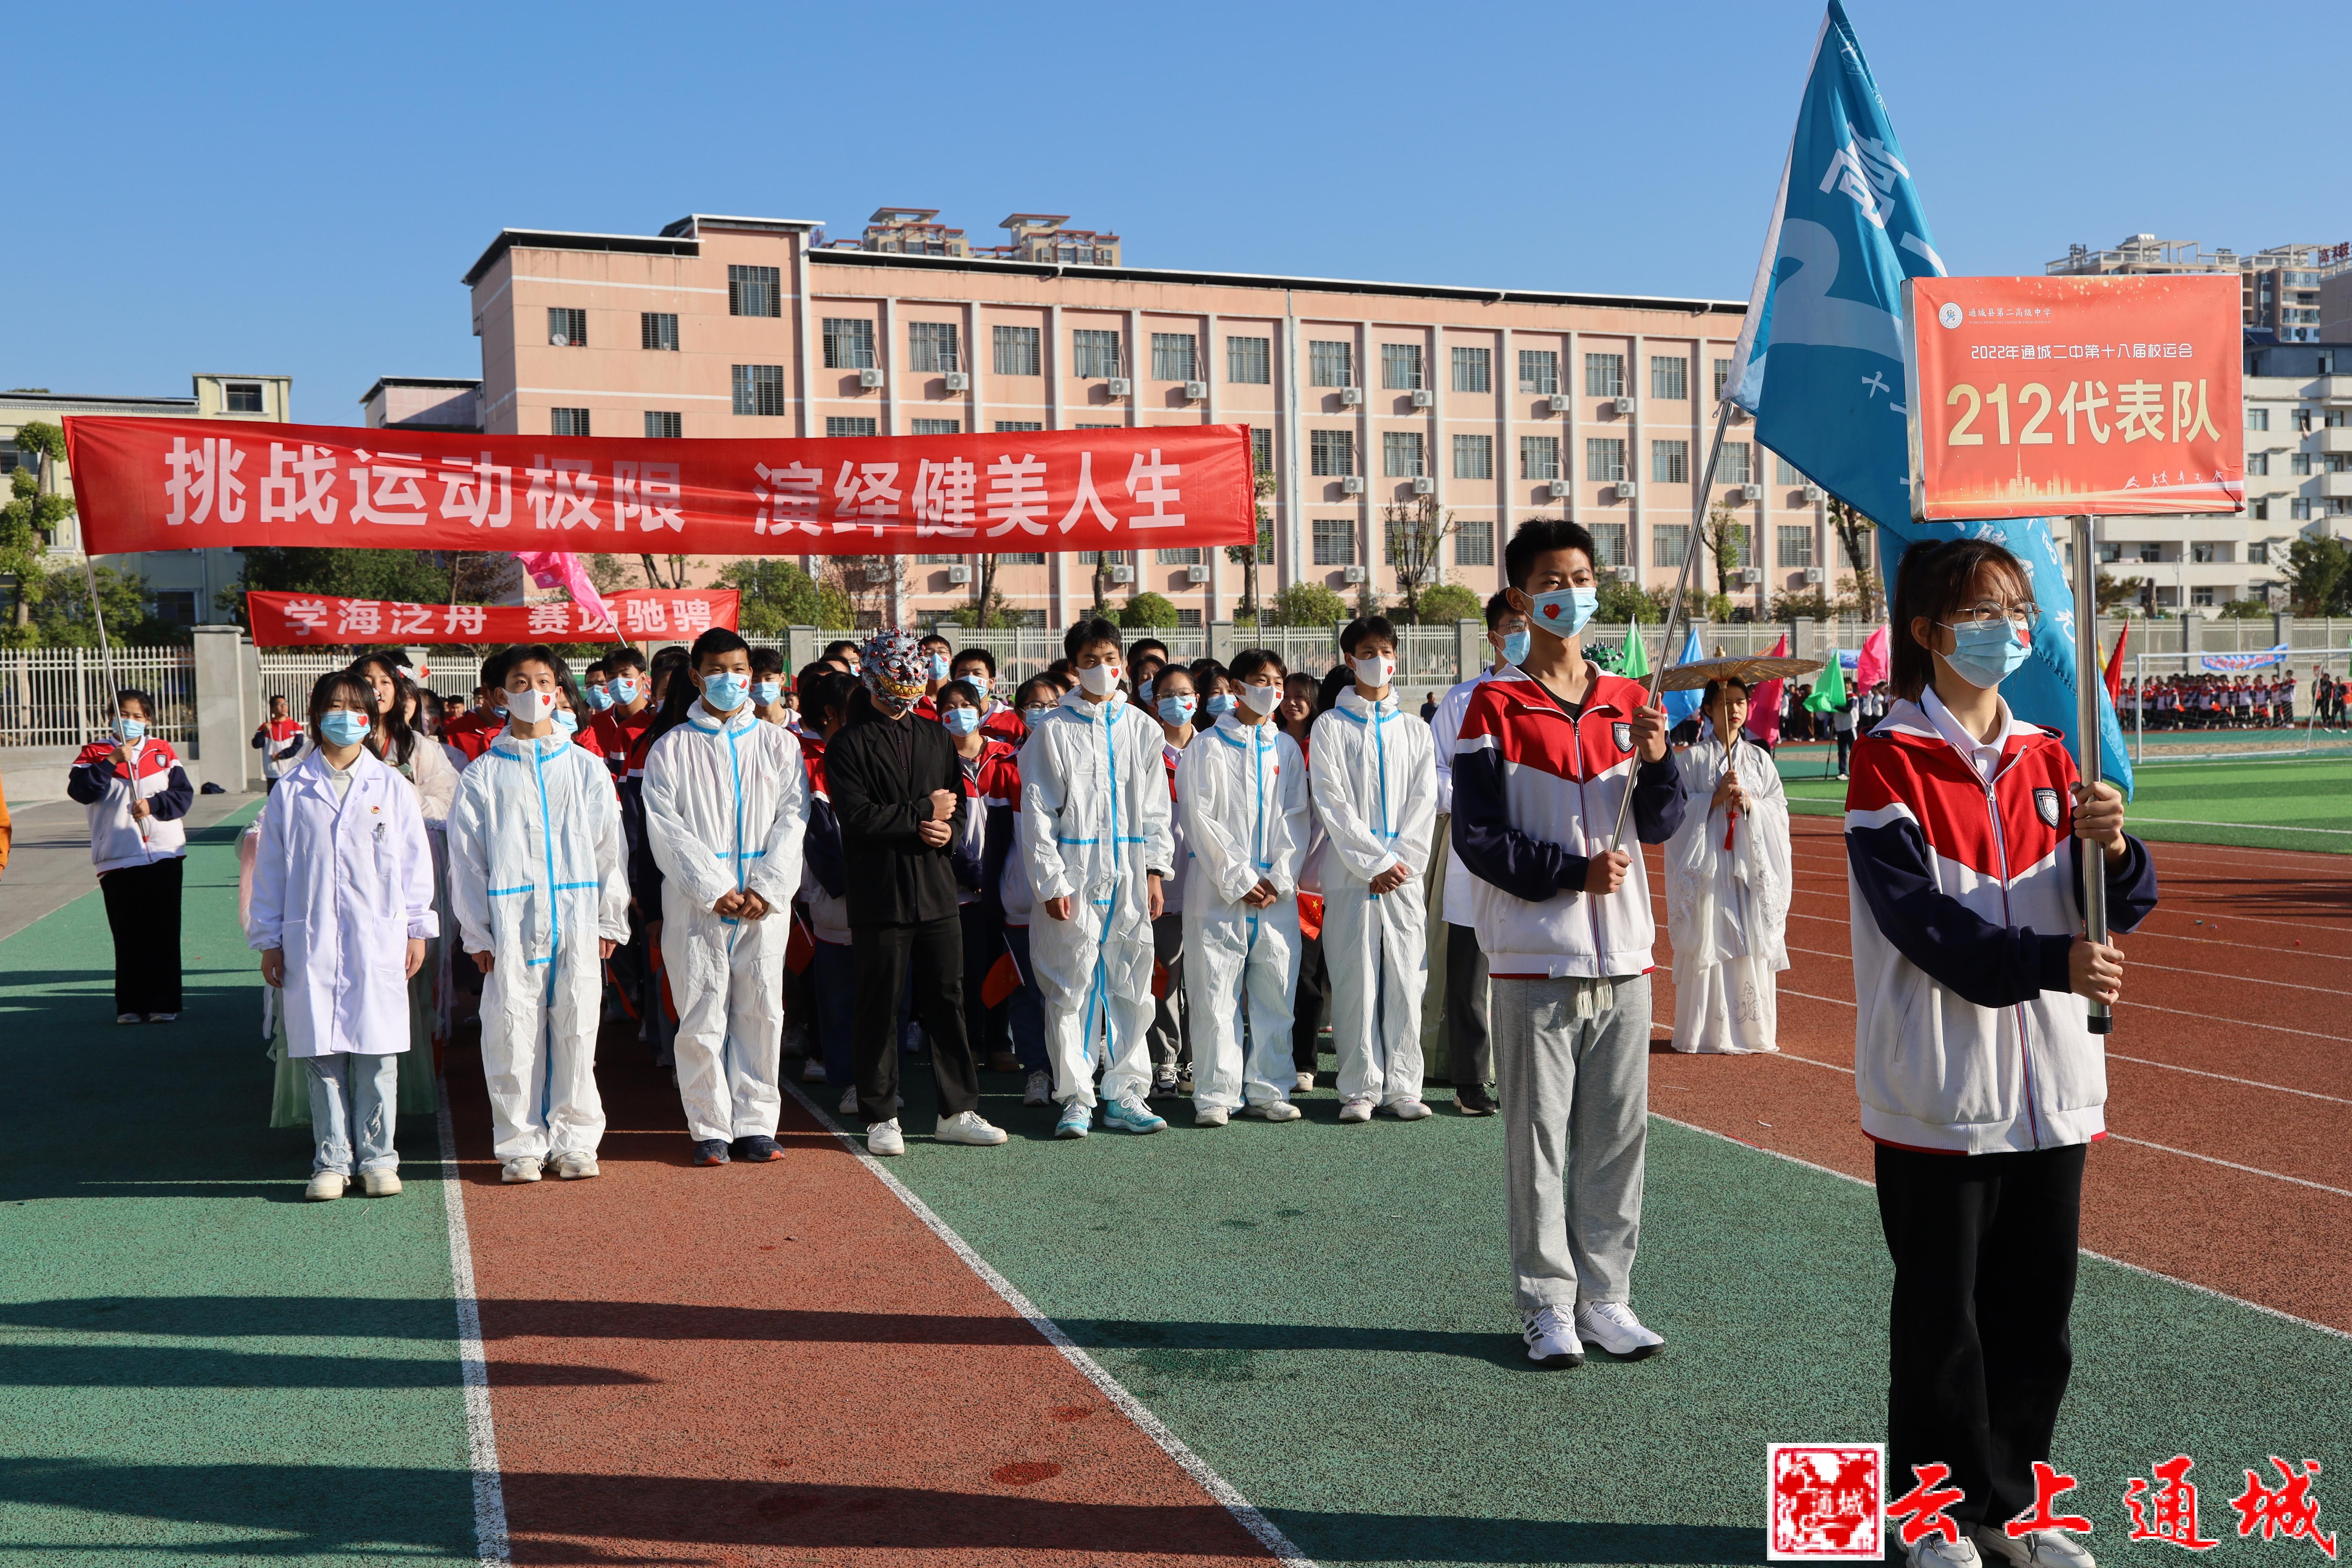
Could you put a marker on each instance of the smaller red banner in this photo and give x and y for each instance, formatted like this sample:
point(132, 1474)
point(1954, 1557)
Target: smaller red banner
point(639, 615)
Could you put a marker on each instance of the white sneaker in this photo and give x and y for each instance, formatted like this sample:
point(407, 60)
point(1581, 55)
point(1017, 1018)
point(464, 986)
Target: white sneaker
point(849, 1100)
point(1551, 1338)
point(884, 1138)
point(1038, 1091)
point(1356, 1107)
point(969, 1127)
point(380, 1183)
point(576, 1167)
point(325, 1185)
point(1407, 1109)
point(521, 1168)
point(2034, 1548)
point(1612, 1326)
point(1306, 1082)
point(814, 1072)
point(1932, 1551)
point(1277, 1111)
point(1211, 1116)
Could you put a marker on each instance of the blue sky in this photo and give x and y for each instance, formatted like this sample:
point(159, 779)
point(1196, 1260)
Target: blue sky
point(297, 190)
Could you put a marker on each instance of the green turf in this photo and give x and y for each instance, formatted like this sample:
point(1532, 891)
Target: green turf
point(169, 1391)
point(1322, 1314)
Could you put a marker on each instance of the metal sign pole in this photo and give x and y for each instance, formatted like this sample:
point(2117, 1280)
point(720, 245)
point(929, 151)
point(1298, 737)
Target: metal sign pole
point(2087, 686)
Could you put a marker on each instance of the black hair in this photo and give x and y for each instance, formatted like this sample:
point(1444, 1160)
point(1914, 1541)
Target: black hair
point(1250, 660)
point(1336, 680)
point(495, 669)
point(963, 689)
point(1173, 667)
point(621, 658)
point(594, 671)
point(1364, 626)
point(390, 737)
point(1496, 608)
point(928, 638)
point(1061, 673)
point(1086, 634)
point(805, 679)
point(987, 659)
point(133, 694)
point(1706, 698)
point(822, 693)
point(1043, 687)
point(274, 698)
point(840, 648)
point(1541, 536)
point(766, 661)
point(334, 687)
point(1148, 645)
point(714, 644)
point(1931, 580)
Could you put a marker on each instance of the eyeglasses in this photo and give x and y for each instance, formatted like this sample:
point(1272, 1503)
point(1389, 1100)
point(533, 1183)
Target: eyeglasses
point(2020, 615)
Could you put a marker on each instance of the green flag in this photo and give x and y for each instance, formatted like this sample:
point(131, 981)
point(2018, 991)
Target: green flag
point(1634, 663)
point(1829, 692)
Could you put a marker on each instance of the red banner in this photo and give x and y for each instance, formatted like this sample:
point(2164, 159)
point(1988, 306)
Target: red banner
point(322, 620)
point(187, 484)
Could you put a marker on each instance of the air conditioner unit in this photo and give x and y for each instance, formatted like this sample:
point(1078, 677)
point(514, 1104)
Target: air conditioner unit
point(1195, 391)
point(558, 341)
point(1746, 494)
point(1561, 403)
point(1625, 489)
point(1559, 490)
point(959, 576)
point(1622, 573)
point(959, 381)
point(1350, 396)
point(1352, 485)
point(1424, 486)
point(868, 380)
point(1119, 386)
point(1624, 405)
point(1751, 575)
point(1196, 573)
point(1423, 397)
point(879, 576)
point(1352, 574)
point(1813, 576)
point(1813, 495)
point(1119, 573)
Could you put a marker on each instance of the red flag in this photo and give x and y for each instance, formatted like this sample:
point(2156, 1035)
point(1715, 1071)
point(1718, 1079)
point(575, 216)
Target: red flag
point(1002, 980)
point(1764, 703)
point(2115, 669)
point(1870, 668)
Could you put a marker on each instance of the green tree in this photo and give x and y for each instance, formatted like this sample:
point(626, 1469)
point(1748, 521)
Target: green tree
point(2319, 577)
point(1442, 606)
point(1148, 610)
point(997, 611)
point(1854, 534)
point(1248, 559)
point(1622, 602)
point(59, 606)
point(30, 518)
point(1726, 540)
point(1307, 605)
point(2247, 610)
point(778, 594)
point(408, 576)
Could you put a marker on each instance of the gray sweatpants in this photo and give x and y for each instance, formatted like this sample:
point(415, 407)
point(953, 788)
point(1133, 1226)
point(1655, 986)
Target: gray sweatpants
point(1572, 1060)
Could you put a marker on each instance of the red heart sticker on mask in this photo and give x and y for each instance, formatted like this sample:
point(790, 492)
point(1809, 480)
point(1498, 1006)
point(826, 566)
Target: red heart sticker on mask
point(1551, 612)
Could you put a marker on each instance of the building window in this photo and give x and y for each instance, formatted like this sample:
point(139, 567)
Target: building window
point(1796, 545)
point(2299, 510)
point(2258, 462)
point(2258, 418)
point(2258, 553)
point(2260, 512)
point(1400, 367)
point(1180, 558)
point(1539, 370)
point(1670, 462)
point(237, 397)
point(1250, 361)
point(1474, 370)
point(1188, 620)
point(1096, 353)
point(938, 559)
point(567, 328)
point(1670, 542)
point(1016, 349)
point(2202, 598)
point(1605, 458)
point(664, 426)
point(1261, 451)
point(1330, 364)
point(759, 291)
point(1540, 457)
point(1722, 375)
point(759, 389)
point(1331, 452)
point(1609, 539)
point(2298, 463)
point(933, 346)
point(1604, 376)
point(568, 421)
point(2302, 421)
point(849, 424)
point(1004, 425)
point(849, 343)
point(1335, 542)
point(2208, 554)
point(178, 606)
point(1022, 558)
point(658, 329)
point(937, 427)
point(1401, 454)
point(1172, 355)
point(1474, 544)
point(1669, 377)
point(1099, 425)
point(1784, 472)
point(1474, 457)
point(1734, 467)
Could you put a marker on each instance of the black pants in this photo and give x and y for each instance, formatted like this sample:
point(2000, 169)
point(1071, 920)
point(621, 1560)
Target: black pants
point(1469, 1050)
point(885, 957)
point(1308, 1004)
point(1844, 749)
point(1984, 1280)
point(142, 909)
point(981, 929)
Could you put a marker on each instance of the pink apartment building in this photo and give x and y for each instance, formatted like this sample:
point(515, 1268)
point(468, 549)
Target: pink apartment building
point(1497, 405)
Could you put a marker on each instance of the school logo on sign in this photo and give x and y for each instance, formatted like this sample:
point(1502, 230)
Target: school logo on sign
point(1825, 1502)
point(2045, 801)
point(1623, 735)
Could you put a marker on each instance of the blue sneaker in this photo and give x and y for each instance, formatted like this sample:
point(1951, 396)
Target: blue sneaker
point(1131, 1115)
point(1076, 1122)
point(710, 1150)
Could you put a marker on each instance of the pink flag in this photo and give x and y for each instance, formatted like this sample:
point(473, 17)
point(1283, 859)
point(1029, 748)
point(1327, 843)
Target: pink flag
point(1764, 703)
point(561, 569)
point(1870, 668)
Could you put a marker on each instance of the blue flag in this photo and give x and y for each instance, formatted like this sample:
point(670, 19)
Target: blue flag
point(1681, 705)
point(1819, 360)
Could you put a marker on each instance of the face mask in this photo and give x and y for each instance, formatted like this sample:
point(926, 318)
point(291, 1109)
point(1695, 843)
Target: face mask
point(342, 727)
point(1176, 711)
point(598, 699)
point(1564, 614)
point(1516, 647)
point(129, 730)
point(530, 707)
point(1985, 653)
point(499, 709)
point(1374, 670)
point(765, 692)
point(960, 720)
point(1099, 679)
point(621, 690)
point(1261, 700)
point(724, 691)
point(1221, 704)
point(1143, 689)
point(980, 683)
point(566, 724)
point(938, 667)
point(1035, 715)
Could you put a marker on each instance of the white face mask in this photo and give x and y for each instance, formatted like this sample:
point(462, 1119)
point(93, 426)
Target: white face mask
point(1375, 669)
point(530, 707)
point(1260, 699)
point(1099, 679)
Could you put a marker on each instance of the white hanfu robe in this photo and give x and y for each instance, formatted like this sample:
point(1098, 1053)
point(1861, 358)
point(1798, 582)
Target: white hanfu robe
point(1727, 908)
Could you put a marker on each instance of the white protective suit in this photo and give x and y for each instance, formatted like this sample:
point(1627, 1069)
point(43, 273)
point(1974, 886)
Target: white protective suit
point(726, 805)
point(1246, 818)
point(1095, 822)
point(537, 875)
point(1727, 908)
point(1375, 788)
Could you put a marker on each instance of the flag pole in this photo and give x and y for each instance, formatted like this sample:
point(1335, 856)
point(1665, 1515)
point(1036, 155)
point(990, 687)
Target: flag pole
point(2087, 737)
point(1675, 608)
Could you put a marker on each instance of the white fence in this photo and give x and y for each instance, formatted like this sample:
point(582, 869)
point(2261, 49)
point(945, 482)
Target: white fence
point(60, 696)
point(291, 673)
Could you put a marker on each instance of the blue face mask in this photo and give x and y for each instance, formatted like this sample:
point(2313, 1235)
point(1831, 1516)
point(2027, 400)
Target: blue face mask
point(938, 667)
point(1985, 653)
point(499, 709)
point(598, 699)
point(566, 723)
point(342, 727)
point(1516, 647)
point(130, 731)
point(960, 720)
point(724, 691)
point(1563, 614)
point(765, 692)
point(1176, 711)
point(622, 690)
point(1220, 705)
point(1036, 714)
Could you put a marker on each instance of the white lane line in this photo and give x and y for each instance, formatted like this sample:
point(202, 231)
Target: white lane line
point(490, 1544)
point(2242, 979)
point(1244, 1512)
point(2144, 931)
point(2103, 1258)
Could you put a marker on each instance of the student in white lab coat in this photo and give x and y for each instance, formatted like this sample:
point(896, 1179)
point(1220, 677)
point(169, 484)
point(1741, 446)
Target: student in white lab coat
point(1727, 885)
point(726, 804)
point(341, 910)
point(541, 896)
point(1242, 787)
point(1375, 788)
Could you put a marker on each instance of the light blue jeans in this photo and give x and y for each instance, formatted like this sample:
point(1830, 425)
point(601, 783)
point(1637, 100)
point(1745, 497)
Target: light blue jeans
point(353, 1097)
